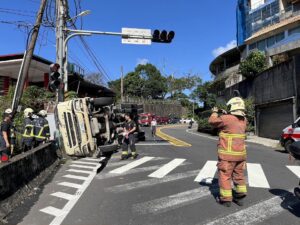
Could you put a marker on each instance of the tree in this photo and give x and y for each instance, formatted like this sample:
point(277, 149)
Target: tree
point(254, 63)
point(203, 94)
point(95, 78)
point(153, 83)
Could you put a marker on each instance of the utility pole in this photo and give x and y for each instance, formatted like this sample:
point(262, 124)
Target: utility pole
point(60, 51)
point(23, 73)
point(122, 85)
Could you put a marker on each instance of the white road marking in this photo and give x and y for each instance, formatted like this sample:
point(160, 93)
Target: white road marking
point(201, 135)
point(101, 176)
point(93, 159)
point(256, 176)
point(163, 171)
point(52, 211)
point(150, 182)
point(132, 165)
point(171, 202)
point(124, 162)
point(295, 170)
point(80, 171)
point(63, 195)
point(72, 185)
point(84, 167)
point(85, 163)
point(68, 207)
point(76, 177)
point(207, 173)
point(259, 212)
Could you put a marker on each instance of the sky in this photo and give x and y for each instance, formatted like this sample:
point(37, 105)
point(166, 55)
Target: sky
point(203, 30)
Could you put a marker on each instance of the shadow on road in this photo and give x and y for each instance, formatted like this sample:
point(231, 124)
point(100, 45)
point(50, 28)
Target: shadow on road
point(213, 188)
point(289, 201)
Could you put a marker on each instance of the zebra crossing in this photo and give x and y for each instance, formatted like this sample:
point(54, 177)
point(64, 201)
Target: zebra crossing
point(158, 171)
point(255, 174)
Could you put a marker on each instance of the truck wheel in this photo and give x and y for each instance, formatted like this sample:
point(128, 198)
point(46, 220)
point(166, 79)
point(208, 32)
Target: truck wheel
point(287, 145)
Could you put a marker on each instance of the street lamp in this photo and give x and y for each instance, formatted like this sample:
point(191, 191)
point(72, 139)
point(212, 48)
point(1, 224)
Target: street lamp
point(83, 13)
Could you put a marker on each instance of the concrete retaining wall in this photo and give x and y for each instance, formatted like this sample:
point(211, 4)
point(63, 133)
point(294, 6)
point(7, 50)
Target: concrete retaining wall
point(23, 173)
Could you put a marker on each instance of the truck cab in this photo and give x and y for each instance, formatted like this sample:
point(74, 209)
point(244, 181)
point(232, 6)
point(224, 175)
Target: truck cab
point(145, 119)
point(290, 134)
point(85, 127)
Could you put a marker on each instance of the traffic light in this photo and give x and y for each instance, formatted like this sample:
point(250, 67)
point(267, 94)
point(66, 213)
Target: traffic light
point(55, 81)
point(163, 36)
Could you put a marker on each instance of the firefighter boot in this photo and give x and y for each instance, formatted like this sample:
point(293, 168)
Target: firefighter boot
point(297, 192)
point(239, 200)
point(134, 155)
point(124, 155)
point(224, 203)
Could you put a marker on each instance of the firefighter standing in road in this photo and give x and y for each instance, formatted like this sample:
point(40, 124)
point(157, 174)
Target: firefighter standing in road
point(231, 151)
point(41, 128)
point(129, 139)
point(28, 132)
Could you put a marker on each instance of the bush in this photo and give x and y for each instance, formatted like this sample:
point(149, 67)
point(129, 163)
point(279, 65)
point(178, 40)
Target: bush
point(254, 63)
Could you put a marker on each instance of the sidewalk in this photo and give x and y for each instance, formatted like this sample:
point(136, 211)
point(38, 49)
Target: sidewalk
point(264, 141)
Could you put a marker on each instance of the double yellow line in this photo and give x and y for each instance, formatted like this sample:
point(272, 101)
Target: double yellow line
point(170, 139)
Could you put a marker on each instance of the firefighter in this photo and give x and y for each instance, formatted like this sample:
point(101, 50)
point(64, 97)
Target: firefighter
point(5, 136)
point(41, 128)
point(128, 138)
point(28, 130)
point(231, 151)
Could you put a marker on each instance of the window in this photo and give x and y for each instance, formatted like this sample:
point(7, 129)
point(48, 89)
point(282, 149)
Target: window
point(252, 46)
point(279, 37)
point(261, 45)
point(295, 30)
point(271, 41)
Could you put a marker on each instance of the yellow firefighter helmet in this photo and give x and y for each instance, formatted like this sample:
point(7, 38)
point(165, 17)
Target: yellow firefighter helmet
point(236, 106)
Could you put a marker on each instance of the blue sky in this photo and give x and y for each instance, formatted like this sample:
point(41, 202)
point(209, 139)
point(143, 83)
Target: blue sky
point(203, 29)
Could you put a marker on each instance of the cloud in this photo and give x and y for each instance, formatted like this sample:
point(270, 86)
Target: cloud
point(142, 61)
point(218, 51)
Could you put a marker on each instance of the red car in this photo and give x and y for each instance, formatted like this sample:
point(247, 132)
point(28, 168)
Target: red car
point(162, 120)
point(145, 119)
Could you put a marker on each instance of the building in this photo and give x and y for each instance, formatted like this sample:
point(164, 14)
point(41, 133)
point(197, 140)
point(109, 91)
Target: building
point(39, 75)
point(271, 26)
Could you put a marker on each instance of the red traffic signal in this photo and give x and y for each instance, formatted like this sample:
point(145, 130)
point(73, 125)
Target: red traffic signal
point(163, 36)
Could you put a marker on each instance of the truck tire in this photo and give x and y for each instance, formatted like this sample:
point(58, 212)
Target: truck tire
point(103, 101)
point(287, 145)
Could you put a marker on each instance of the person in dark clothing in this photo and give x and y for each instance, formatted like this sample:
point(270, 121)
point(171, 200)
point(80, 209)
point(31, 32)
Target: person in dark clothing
point(41, 128)
point(5, 136)
point(128, 138)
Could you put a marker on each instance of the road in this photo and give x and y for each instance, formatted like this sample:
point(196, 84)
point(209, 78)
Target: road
point(167, 184)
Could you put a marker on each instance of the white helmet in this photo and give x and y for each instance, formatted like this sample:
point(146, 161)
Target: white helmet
point(8, 111)
point(28, 112)
point(237, 106)
point(42, 113)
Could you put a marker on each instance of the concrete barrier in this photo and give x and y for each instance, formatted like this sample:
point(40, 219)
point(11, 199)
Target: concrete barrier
point(23, 173)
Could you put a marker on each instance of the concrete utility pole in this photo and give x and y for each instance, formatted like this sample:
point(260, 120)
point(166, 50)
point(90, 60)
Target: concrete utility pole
point(60, 51)
point(23, 73)
point(122, 85)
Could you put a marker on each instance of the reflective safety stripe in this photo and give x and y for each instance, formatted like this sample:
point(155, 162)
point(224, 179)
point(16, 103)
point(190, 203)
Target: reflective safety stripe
point(28, 132)
point(241, 189)
point(225, 193)
point(133, 153)
point(124, 153)
point(225, 135)
point(225, 152)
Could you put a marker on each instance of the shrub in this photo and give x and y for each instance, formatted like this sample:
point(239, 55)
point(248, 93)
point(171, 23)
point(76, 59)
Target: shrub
point(254, 63)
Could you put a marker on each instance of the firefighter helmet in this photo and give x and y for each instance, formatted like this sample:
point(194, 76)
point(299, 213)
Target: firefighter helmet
point(236, 106)
point(28, 112)
point(42, 113)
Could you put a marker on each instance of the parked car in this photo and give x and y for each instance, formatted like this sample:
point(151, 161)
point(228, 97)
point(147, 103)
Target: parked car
point(145, 119)
point(162, 120)
point(174, 120)
point(290, 134)
point(183, 120)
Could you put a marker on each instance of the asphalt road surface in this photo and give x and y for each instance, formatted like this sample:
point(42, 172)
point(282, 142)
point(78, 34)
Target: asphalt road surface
point(167, 185)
